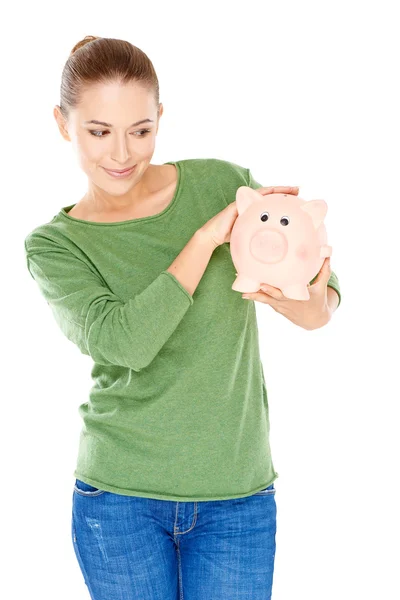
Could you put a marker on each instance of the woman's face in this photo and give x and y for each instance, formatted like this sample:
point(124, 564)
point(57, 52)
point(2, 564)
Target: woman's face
point(122, 143)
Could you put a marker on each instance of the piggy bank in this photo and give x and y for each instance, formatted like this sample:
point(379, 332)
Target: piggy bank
point(278, 239)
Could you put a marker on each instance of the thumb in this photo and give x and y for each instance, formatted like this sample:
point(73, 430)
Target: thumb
point(325, 271)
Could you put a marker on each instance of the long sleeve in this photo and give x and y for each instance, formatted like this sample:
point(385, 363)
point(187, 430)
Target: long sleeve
point(112, 332)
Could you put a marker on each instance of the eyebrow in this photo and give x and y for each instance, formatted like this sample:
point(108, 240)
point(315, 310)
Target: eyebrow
point(109, 124)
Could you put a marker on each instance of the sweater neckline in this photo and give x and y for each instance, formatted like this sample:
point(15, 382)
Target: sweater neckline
point(64, 210)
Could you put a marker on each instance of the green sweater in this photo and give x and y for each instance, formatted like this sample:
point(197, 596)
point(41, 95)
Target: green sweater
point(178, 409)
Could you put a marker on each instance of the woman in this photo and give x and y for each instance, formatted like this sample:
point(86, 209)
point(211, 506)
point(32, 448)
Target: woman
point(173, 489)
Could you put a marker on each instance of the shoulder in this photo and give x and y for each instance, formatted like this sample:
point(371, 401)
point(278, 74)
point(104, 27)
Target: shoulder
point(224, 174)
point(44, 238)
point(218, 168)
point(218, 178)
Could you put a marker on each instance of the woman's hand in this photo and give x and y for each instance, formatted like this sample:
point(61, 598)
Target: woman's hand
point(278, 190)
point(219, 227)
point(308, 314)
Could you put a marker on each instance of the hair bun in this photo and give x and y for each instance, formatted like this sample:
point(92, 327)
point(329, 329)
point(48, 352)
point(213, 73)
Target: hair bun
point(86, 40)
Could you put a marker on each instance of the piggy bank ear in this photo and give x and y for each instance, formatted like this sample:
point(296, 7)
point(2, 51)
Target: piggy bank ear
point(245, 196)
point(317, 210)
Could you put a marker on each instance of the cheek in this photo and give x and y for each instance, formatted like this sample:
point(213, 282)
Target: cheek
point(302, 252)
point(89, 153)
point(144, 147)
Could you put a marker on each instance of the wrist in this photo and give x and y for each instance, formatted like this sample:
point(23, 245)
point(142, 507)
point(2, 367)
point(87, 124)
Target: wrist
point(204, 238)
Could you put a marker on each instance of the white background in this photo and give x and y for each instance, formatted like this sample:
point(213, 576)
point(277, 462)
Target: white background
point(302, 93)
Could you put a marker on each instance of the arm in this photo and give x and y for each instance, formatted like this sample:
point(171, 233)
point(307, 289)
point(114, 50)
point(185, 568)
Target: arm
point(189, 266)
point(113, 332)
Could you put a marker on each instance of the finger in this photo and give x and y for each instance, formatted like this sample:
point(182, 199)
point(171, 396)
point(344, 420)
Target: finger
point(271, 291)
point(324, 273)
point(259, 296)
point(328, 268)
point(279, 189)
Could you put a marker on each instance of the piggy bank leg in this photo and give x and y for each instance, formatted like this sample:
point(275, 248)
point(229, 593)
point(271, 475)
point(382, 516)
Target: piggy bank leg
point(245, 284)
point(296, 292)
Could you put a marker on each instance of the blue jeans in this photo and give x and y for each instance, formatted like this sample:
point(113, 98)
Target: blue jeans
point(131, 547)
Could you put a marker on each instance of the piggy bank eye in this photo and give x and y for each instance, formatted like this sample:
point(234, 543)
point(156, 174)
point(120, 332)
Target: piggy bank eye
point(285, 221)
point(264, 216)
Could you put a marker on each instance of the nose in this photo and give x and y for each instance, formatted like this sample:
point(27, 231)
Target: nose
point(121, 153)
point(269, 246)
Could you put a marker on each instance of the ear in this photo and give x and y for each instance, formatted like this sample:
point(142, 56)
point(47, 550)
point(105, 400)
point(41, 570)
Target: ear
point(245, 197)
point(62, 126)
point(317, 210)
point(160, 112)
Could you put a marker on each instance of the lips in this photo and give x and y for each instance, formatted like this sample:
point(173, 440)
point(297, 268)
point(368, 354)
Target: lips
point(116, 171)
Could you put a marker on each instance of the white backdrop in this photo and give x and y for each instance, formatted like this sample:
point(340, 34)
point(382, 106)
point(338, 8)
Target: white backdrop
point(302, 93)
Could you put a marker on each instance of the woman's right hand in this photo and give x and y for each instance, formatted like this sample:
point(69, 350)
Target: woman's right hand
point(219, 228)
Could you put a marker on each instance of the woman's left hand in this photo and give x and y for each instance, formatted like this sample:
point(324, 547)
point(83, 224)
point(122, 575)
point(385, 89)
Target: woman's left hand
point(308, 314)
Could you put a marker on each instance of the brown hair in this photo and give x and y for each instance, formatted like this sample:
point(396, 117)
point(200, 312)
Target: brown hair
point(104, 60)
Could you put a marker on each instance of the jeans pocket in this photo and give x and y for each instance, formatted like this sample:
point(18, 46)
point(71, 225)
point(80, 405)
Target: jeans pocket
point(85, 489)
point(266, 491)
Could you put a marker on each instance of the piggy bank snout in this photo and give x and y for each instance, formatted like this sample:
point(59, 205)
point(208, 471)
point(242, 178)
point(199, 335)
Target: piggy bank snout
point(269, 246)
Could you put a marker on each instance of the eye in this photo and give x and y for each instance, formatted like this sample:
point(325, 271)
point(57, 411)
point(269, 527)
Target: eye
point(264, 216)
point(285, 221)
point(95, 132)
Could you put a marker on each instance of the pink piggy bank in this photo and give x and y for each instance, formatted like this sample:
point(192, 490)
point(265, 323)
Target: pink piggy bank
point(278, 239)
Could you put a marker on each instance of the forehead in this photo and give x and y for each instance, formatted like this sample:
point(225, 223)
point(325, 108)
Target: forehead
point(116, 103)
